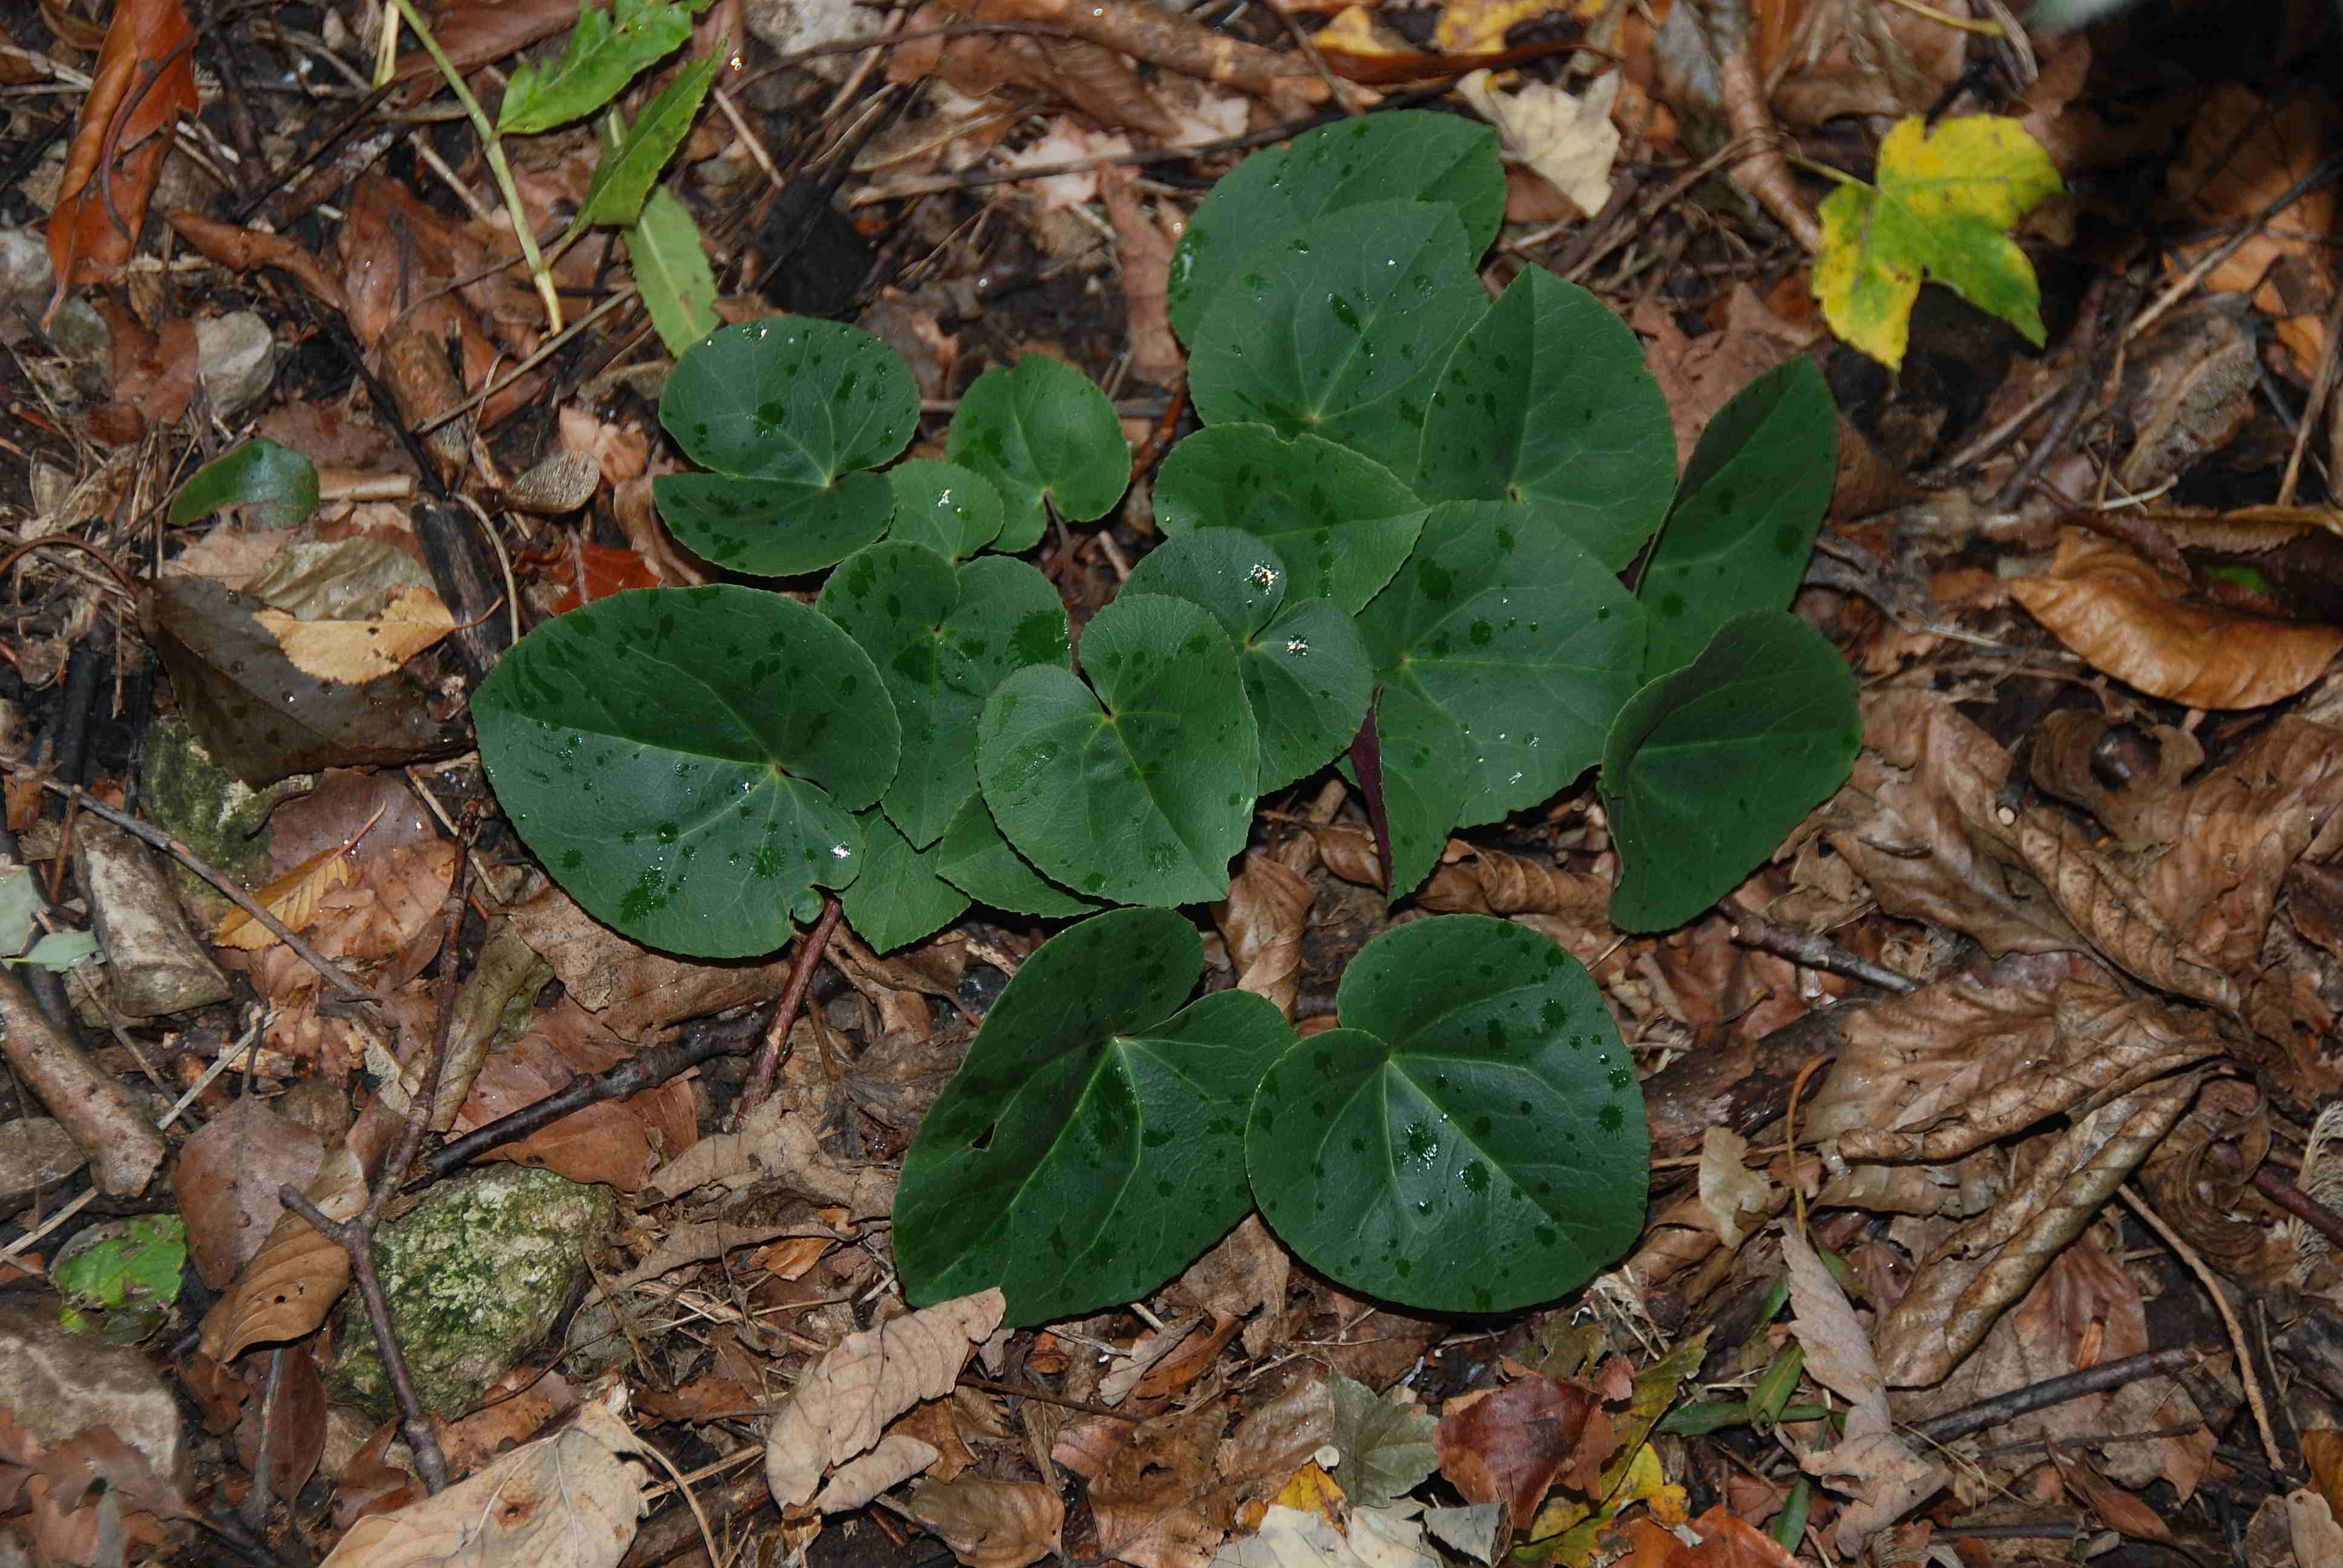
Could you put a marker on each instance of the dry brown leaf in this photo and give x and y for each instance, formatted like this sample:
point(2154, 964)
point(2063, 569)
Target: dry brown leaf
point(991, 1523)
point(227, 1181)
point(145, 79)
point(291, 898)
point(776, 1147)
point(1262, 921)
point(242, 249)
point(567, 1501)
point(896, 1459)
point(617, 1142)
point(297, 1275)
point(1155, 1499)
point(629, 987)
point(2242, 154)
point(697, 1240)
point(1143, 251)
point(1509, 1445)
point(356, 651)
point(844, 1401)
point(2134, 621)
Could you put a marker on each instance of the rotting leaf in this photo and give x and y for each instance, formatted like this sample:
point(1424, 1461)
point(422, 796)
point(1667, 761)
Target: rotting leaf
point(145, 79)
point(843, 1401)
point(354, 651)
point(1387, 1446)
point(991, 1523)
point(292, 1282)
point(263, 719)
point(1509, 1445)
point(2134, 622)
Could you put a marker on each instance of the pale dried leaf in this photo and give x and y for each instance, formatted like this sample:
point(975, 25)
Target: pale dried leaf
point(1567, 137)
point(695, 1241)
point(845, 1399)
point(356, 651)
point(1262, 922)
point(896, 1460)
point(777, 1147)
point(292, 898)
point(1728, 1185)
point(567, 1501)
point(2134, 621)
point(297, 1275)
point(227, 1181)
point(991, 1523)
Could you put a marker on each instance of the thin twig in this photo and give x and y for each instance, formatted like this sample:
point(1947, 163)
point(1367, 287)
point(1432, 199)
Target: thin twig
point(228, 886)
point(811, 947)
point(969, 1380)
point(1956, 1424)
point(2244, 1351)
point(2284, 1193)
point(1817, 952)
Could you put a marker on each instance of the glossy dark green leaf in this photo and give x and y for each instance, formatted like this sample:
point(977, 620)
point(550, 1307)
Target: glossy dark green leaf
point(1407, 154)
point(790, 398)
point(1546, 399)
point(898, 898)
point(279, 483)
point(973, 857)
point(630, 166)
point(1342, 330)
point(1470, 1139)
point(1092, 1144)
point(1304, 669)
point(1046, 437)
point(952, 510)
point(1710, 766)
point(1142, 791)
point(1340, 521)
point(942, 638)
point(1518, 637)
point(1746, 516)
point(774, 527)
point(684, 761)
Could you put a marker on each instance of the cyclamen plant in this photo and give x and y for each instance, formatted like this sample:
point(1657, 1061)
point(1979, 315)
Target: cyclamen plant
point(1406, 501)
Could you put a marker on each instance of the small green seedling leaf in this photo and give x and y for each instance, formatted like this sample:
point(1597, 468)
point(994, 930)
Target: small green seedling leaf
point(1092, 1143)
point(1340, 521)
point(1142, 791)
point(1506, 625)
point(1944, 206)
point(126, 1271)
point(1304, 669)
point(973, 857)
point(684, 760)
point(607, 50)
point(1275, 195)
point(1472, 1138)
point(671, 272)
point(1744, 520)
point(279, 483)
point(630, 166)
point(954, 510)
point(898, 898)
point(1341, 331)
point(1046, 437)
point(788, 412)
point(1547, 399)
point(1708, 768)
point(942, 638)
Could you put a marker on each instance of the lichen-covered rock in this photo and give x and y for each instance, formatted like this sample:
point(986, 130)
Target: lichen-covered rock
point(475, 1273)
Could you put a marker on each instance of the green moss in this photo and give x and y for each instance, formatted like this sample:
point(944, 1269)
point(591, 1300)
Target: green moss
point(475, 1274)
point(208, 809)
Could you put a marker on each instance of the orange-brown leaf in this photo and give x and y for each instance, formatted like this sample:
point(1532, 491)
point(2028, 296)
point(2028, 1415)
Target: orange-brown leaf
point(296, 1276)
point(2133, 620)
point(145, 79)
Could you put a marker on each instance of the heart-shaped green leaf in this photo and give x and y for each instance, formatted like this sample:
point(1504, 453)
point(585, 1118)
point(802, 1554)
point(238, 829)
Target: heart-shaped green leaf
point(1141, 792)
point(684, 760)
point(973, 857)
point(952, 510)
point(1045, 436)
point(1546, 399)
point(898, 898)
point(1709, 767)
point(1471, 1139)
point(942, 638)
point(1304, 669)
point(1407, 154)
point(785, 412)
point(1341, 331)
point(1341, 522)
point(1092, 1143)
point(1745, 519)
point(1522, 640)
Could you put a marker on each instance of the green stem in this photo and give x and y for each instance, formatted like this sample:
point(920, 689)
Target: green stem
point(1828, 173)
point(538, 271)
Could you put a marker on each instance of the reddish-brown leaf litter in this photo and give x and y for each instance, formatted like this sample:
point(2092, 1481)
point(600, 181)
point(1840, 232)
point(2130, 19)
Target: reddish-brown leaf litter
point(1995, 1178)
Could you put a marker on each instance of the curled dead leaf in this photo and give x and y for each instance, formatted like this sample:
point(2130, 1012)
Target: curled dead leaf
point(297, 1275)
point(845, 1399)
point(1262, 921)
point(145, 79)
point(2134, 621)
point(991, 1523)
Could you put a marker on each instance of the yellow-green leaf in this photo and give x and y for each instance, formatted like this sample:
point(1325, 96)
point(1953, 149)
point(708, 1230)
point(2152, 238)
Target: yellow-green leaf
point(1943, 209)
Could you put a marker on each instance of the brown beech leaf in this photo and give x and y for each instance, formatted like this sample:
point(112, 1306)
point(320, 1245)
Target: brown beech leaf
point(145, 79)
point(991, 1523)
point(2134, 621)
point(1507, 1446)
point(844, 1401)
point(242, 249)
point(617, 1142)
point(1262, 922)
point(297, 1275)
point(361, 650)
point(291, 1412)
point(564, 1501)
point(897, 1458)
point(227, 1181)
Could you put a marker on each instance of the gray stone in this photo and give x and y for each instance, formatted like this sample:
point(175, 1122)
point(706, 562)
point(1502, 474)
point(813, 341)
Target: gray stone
point(475, 1274)
point(236, 357)
point(55, 1383)
point(154, 963)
